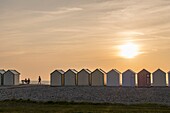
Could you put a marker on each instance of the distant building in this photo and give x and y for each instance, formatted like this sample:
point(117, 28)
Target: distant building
point(11, 77)
point(128, 78)
point(113, 78)
point(57, 78)
point(99, 77)
point(144, 79)
point(70, 77)
point(84, 77)
point(159, 78)
point(1, 76)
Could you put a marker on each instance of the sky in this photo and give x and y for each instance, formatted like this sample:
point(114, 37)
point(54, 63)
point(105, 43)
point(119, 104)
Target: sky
point(39, 36)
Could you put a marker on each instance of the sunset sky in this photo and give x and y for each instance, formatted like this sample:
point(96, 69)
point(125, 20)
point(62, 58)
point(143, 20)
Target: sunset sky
point(39, 36)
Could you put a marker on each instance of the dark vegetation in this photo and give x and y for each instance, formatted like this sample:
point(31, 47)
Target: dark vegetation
point(27, 106)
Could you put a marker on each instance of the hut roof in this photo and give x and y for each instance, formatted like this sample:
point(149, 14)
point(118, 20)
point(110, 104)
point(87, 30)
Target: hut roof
point(73, 70)
point(144, 71)
point(2, 71)
point(102, 71)
point(130, 71)
point(59, 71)
point(99, 70)
point(159, 70)
point(87, 70)
point(14, 72)
point(115, 71)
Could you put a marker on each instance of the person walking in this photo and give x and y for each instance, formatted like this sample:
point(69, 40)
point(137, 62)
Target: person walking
point(39, 80)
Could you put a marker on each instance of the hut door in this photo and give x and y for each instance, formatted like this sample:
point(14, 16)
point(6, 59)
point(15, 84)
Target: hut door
point(132, 80)
point(148, 80)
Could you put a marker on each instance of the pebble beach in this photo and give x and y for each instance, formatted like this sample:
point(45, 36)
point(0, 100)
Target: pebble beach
point(123, 95)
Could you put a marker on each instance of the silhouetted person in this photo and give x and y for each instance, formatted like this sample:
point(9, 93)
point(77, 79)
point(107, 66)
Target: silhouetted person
point(28, 81)
point(39, 80)
point(23, 81)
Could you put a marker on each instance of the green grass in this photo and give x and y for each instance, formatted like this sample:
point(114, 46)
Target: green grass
point(23, 106)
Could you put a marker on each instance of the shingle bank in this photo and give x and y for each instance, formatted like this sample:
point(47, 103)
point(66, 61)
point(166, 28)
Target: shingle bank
point(123, 95)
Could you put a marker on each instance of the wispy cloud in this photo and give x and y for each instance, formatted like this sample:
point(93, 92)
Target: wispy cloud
point(58, 11)
point(103, 22)
point(55, 31)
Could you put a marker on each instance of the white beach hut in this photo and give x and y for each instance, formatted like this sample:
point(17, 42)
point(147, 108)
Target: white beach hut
point(128, 78)
point(159, 78)
point(99, 78)
point(11, 77)
point(70, 77)
point(113, 78)
point(84, 77)
point(1, 76)
point(57, 78)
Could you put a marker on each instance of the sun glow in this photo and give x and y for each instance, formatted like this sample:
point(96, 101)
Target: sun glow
point(129, 50)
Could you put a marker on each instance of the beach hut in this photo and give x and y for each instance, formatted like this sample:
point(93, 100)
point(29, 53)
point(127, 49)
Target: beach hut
point(84, 77)
point(11, 77)
point(113, 78)
point(159, 78)
point(99, 78)
point(1, 76)
point(57, 78)
point(128, 78)
point(144, 79)
point(169, 78)
point(70, 77)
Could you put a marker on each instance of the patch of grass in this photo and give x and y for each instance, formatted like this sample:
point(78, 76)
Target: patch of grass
point(27, 106)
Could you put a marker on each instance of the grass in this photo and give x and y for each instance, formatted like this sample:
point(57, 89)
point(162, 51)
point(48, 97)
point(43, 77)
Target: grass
point(26, 106)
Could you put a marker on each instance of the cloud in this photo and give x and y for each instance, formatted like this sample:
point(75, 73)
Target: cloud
point(103, 23)
point(59, 11)
point(130, 33)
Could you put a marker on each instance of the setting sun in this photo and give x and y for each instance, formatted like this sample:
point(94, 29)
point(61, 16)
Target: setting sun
point(129, 50)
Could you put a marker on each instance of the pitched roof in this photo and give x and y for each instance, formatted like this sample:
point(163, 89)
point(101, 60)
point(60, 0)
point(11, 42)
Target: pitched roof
point(61, 71)
point(87, 70)
point(58, 70)
point(130, 71)
point(2, 71)
point(73, 70)
point(158, 70)
point(99, 70)
point(102, 71)
point(115, 71)
point(144, 70)
point(14, 72)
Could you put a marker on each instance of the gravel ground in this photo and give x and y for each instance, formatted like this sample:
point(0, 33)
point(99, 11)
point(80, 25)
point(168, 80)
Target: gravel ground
point(125, 95)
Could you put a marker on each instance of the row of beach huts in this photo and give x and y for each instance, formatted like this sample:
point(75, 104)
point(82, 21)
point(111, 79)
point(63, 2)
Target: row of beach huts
point(113, 78)
point(9, 77)
point(96, 78)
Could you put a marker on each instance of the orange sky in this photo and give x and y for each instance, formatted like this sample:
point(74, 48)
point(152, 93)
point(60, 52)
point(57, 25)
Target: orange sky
point(38, 36)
